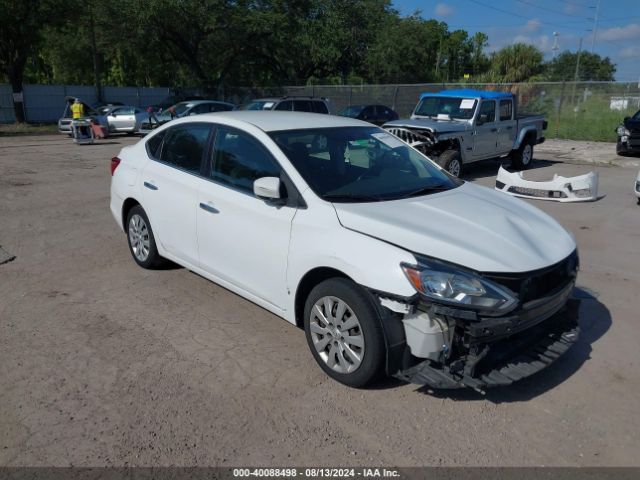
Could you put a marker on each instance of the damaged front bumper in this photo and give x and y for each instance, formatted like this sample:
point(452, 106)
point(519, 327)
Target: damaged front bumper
point(482, 352)
point(583, 188)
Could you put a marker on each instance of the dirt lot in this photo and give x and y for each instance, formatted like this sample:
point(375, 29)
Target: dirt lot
point(104, 363)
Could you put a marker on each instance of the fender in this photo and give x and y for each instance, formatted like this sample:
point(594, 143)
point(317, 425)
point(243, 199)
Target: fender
point(523, 134)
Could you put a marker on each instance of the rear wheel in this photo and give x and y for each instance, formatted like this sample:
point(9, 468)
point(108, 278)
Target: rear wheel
point(344, 332)
point(142, 244)
point(521, 158)
point(451, 161)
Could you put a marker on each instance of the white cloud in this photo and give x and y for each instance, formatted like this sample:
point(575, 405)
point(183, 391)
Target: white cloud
point(443, 10)
point(627, 32)
point(630, 52)
point(533, 25)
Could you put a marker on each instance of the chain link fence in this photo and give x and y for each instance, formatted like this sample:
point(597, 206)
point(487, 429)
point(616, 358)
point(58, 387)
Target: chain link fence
point(574, 110)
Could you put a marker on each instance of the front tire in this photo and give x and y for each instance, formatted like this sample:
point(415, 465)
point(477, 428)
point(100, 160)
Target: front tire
point(142, 243)
point(451, 161)
point(521, 158)
point(344, 332)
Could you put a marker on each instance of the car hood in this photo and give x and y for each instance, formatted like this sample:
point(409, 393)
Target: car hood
point(471, 226)
point(438, 126)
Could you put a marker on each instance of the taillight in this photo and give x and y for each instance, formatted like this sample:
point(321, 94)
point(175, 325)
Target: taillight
point(115, 161)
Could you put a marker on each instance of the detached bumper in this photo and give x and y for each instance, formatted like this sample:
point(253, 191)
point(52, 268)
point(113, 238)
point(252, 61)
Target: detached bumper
point(502, 362)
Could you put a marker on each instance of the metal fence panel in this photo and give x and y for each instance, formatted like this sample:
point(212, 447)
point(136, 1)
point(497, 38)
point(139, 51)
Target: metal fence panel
point(7, 114)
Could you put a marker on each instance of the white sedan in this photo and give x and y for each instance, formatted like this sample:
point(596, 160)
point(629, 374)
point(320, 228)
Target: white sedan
point(390, 264)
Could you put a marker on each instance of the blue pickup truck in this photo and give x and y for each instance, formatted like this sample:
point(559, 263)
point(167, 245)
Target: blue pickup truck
point(458, 127)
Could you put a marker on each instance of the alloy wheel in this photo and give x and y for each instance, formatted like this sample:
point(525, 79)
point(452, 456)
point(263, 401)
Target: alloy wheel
point(336, 334)
point(139, 237)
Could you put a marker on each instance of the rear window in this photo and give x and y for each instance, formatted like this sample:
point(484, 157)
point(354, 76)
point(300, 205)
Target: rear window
point(319, 107)
point(153, 145)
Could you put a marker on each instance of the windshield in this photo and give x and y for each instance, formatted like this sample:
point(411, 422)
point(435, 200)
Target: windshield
point(361, 164)
point(179, 108)
point(258, 105)
point(636, 116)
point(352, 111)
point(455, 107)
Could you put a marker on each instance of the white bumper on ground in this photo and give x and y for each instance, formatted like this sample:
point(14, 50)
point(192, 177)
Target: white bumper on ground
point(583, 188)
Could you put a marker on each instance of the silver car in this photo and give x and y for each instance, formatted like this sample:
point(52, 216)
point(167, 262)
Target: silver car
point(125, 119)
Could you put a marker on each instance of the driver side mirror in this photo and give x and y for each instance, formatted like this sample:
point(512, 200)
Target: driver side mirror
point(267, 188)
point(482, 119)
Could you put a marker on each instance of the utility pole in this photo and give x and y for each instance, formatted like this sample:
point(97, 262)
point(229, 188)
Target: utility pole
point(595, 26)
point(555, 47)
point(576, 75)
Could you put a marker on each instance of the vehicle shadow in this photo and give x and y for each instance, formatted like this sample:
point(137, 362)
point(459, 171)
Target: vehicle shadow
point(489, 168)
point(594, 321)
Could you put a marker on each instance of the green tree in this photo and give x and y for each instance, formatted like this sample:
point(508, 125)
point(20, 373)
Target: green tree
point(21, 33)
point(591, 67)
point(519, 62)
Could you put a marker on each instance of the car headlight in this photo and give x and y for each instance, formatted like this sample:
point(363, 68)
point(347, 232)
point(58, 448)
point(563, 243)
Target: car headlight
point(448, 284)
point(623, 131)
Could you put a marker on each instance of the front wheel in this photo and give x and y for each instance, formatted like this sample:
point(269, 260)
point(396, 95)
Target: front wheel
point(344, 332)
point(451, 161)
point(521, 158)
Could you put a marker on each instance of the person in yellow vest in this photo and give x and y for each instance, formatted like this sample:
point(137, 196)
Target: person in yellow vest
point(77, 109)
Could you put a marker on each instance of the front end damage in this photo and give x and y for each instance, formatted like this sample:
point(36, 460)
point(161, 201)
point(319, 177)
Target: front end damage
point(445, 347)
point(425, 140)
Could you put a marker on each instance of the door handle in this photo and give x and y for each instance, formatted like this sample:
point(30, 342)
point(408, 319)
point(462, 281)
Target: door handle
point(150, 186)
point(209, 208)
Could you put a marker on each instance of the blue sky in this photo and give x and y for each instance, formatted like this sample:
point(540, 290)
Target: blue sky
point(535, 21)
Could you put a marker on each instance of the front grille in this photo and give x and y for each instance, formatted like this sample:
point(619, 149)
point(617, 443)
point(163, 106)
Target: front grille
point(536, 192)
point(539, 283)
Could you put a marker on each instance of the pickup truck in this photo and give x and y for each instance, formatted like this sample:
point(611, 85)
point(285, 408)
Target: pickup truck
point(457, 127)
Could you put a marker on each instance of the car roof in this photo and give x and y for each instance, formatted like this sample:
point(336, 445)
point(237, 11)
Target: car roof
point(200, 102)
point(287, 97)
point(467, 93)
point(272, 121)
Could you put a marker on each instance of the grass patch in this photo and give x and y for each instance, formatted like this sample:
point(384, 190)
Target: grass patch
point(15, 129)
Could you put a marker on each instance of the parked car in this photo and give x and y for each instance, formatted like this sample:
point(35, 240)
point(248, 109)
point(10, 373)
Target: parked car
point(126, 119)
point(457, 127)
point(183, 109)
point(173, 100)
point(64, 123)
point(102, 107)
point(376, 114)
point(629, 135)
point(389, 263)
point(637, 188)
point(289, 104)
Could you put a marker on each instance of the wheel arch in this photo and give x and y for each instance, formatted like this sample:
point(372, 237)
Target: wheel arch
point(307, 283)
point(127, 205)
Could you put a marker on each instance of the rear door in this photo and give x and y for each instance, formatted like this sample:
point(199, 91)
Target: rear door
point(243, 239)
point(506, 126)
point(170, 188)
point(485, 135)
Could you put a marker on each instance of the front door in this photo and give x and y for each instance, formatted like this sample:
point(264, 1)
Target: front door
point(485, 134)
point(170, 188)
point(243, 239)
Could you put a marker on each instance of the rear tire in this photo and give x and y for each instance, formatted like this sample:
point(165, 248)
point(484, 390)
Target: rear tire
point(142, 243)
point(451, 161)
point(521, 158)
point(344, 332)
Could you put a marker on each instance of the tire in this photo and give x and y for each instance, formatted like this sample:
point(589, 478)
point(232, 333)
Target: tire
point(451, 161)
point(356, 359)
point(521, 158)
point(142, 243)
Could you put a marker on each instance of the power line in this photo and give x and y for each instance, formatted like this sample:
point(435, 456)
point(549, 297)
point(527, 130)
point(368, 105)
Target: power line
point(557, 12)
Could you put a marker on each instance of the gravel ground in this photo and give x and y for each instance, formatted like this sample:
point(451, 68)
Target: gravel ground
point(103, 363)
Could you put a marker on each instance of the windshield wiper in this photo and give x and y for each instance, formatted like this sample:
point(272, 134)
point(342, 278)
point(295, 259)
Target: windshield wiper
point(426, 190)
point(353, 197)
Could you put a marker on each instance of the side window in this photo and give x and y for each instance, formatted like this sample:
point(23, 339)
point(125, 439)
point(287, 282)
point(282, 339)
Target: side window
point(198, 109)
point(506, 109)
point(368, 113)
point(239, 160)
point(184, 146)
point(302, 106)
point(287, 105)
point(153, 145)
point(124, 111)
point(319, 107)
point(488, 108)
